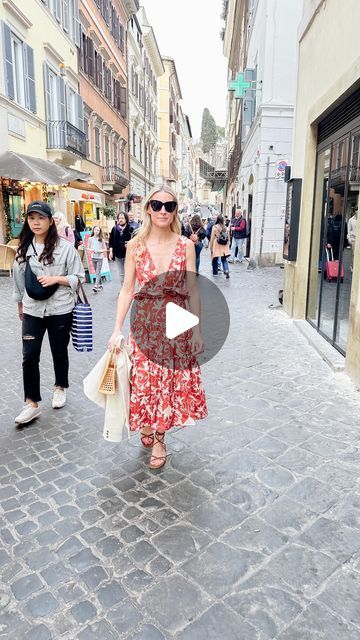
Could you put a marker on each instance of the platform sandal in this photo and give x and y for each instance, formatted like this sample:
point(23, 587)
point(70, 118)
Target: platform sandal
point(147, 436)
point(158, 437)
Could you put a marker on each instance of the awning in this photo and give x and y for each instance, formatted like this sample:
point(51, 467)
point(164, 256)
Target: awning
point(30, 169)
point(86, 186)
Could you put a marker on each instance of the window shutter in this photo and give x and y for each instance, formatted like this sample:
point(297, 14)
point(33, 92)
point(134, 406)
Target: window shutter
point(9, 65)
point(29, 78)
point(58, 10)
point(47, 91)
point(90, 58)
point(80, 112)
point(123, 101)
point(121, 39)
point(75, 23)
point(65, 15)
point(62, 111)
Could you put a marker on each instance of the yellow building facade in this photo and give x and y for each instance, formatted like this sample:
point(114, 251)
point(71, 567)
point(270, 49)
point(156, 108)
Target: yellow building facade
point(322, 284)
point(41, 113)
point(169, 93)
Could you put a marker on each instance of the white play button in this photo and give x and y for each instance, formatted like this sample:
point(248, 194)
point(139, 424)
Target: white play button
point(178, 320)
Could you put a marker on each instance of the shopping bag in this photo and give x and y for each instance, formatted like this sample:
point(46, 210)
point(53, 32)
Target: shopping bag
point(82, 323)
point(107, 383)
point(117, 405)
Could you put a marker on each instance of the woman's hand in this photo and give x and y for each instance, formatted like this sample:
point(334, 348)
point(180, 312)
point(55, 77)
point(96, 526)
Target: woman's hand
point(197, 343)
point(20, 310)
point(112, 341)
point(110, 254)
point(47, 281)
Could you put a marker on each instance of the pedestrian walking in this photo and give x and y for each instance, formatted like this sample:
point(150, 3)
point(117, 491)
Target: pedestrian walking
point(238, 235)
point(195, 231)
point(219, 246)
point(119, 237)
point(47, 270)
point(63, 228)
point(162, 397)
point(97, 247)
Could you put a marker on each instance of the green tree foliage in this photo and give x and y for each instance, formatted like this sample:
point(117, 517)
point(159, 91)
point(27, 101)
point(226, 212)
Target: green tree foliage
point(221, 132)
point(209, 133)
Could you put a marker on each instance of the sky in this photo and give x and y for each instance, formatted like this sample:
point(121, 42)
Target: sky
point(188, 31)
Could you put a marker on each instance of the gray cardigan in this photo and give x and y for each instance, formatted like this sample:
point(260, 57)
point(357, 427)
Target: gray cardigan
point(66, 263)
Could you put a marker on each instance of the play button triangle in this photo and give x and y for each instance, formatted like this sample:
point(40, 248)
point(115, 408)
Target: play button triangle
point(178, 320)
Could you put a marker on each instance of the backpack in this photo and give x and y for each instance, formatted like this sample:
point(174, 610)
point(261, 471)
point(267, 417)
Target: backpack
point(223, 236)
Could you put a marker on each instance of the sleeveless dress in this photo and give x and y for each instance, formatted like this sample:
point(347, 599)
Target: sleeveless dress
point(166, 390)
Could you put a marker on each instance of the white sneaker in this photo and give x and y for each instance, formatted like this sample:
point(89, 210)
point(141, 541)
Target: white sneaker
point(59, 398)
point(231, 260)
point(28, 414)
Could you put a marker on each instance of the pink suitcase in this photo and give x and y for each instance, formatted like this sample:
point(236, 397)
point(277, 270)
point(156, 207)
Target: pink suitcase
point(332, 267)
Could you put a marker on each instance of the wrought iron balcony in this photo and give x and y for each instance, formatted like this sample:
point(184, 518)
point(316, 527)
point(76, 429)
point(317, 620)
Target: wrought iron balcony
point(114, 179)
point(61, 134)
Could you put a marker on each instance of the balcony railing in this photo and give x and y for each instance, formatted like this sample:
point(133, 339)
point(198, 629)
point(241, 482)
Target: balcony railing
point(64, 135)
point(115, 176)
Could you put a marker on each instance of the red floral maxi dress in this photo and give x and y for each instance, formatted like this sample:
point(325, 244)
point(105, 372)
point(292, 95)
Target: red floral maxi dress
point(166, 389)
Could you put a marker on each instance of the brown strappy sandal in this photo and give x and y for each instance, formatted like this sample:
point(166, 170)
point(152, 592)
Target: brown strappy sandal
point(158, 437)
point(144, 436)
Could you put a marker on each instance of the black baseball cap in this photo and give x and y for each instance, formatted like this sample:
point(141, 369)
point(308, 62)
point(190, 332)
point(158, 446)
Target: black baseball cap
point(38, 206)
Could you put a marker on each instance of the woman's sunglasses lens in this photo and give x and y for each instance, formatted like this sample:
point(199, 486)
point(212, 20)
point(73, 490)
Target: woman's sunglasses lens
point(157, 205)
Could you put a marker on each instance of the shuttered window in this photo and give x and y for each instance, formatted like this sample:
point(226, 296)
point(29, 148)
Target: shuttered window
point(19, 70)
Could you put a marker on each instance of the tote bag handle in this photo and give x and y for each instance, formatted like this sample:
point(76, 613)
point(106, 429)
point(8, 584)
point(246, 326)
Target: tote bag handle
point(79, 289)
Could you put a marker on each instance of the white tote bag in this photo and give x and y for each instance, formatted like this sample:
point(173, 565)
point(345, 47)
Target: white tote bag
point(117, 406)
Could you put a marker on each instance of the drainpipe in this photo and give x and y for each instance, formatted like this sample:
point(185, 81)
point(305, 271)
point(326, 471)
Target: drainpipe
point(264, 211)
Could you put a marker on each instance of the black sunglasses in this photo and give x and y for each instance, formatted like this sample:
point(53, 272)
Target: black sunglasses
point(157, 205)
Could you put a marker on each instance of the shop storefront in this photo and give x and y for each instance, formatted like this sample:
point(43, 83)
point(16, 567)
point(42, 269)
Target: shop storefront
point(88, 204)
point(335, 210)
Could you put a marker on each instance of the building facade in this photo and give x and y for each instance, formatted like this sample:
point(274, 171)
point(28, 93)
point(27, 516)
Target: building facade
point(41, 110)
point(185, 163)
point(260, 126)
point(144, 68)
point(169, 124)
point(327, 159)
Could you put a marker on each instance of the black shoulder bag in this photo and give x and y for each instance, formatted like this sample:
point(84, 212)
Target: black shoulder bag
point(33, 287)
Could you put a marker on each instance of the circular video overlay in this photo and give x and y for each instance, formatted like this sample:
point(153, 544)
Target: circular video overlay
point(164, 322)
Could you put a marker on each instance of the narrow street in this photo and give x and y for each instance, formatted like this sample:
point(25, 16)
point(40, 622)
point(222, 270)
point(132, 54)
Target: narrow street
point(252, 530)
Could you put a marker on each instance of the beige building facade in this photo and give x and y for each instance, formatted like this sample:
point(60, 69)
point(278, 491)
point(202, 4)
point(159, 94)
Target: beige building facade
point(169, 124)
point(326, 157)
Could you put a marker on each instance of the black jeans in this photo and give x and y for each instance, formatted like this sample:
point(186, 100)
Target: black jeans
point(215, 265)
point(33, 331)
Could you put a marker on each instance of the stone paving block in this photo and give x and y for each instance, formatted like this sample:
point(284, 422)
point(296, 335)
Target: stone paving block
point(94, 576)
point(275, 477)
point(180, 541)
point(110, 594)
point(40, 558)
point(125, 617)
point(256, 535)
point(298, 460)
point(39, 632)
point(315, 494)
point(83, 560)
point(219, 568)
point(83, 611)
point(24, 587)
point(137, 580)
point(184, 496)
point(332, 538)
point(189, 599)
point(266, 602)
point(342, 596)
point(287, 515)
point(219, 622)
point(250, 495)
point(302, 568)
point(318, 623)
point(55, 574)
point(98, 630)
point(147, 632)
point(216, 516)
point(43, 605)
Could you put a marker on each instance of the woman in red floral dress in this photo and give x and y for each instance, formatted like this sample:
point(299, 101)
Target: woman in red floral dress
point(166, 389)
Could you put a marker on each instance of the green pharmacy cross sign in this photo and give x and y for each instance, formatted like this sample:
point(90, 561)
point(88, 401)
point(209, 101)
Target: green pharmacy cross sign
point(239, 85)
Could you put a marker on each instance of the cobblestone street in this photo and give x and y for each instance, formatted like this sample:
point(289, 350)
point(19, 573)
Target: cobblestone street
point(250, 532)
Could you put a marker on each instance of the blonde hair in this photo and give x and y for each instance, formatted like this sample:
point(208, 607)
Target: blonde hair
point(143, 231)
point(63, 223)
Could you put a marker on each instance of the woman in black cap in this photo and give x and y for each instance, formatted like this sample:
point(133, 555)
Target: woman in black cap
point(47, 269)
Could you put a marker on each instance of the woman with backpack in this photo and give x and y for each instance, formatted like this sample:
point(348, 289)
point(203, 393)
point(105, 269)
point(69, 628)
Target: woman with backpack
point(194, 230)
point(219, 246)
point(47, 270)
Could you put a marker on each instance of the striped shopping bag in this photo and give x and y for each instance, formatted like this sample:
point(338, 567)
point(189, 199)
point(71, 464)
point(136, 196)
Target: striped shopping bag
point(82, 324)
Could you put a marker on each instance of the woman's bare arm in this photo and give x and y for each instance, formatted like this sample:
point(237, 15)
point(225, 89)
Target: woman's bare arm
point(126, 293)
